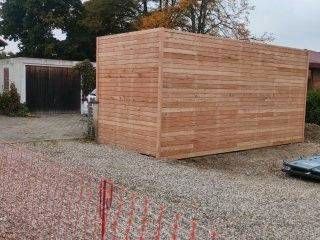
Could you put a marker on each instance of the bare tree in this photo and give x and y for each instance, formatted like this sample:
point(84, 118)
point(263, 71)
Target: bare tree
point(223, 18)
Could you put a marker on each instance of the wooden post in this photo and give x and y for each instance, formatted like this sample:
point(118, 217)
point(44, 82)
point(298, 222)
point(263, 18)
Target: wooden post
point(103, 191)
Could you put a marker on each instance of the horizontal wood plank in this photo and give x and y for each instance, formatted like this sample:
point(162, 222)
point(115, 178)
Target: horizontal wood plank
point(175, 95)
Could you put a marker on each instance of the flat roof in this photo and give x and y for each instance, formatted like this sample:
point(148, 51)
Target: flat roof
point(41, 61)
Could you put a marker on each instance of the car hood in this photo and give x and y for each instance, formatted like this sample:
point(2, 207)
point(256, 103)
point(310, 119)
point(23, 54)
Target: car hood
point(308, 164)
point(316, 170)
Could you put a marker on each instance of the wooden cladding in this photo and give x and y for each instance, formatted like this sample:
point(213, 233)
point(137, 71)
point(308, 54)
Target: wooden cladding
point(128, 73)
point(176, 95)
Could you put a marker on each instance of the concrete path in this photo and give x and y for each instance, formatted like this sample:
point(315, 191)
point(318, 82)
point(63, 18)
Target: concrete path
point(45, 127)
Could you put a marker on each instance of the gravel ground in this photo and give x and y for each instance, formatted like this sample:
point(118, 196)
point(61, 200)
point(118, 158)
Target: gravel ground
point(43, 199)
point(14, 228)
point(42, 127)
point(40, 199)
point(243, 194)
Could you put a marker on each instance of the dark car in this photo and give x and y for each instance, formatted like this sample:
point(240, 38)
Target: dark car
point(309, 167)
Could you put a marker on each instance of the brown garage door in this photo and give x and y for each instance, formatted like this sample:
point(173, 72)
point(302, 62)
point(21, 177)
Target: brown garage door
point(53, 89)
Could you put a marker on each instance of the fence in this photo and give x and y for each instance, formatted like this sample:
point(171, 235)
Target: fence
point(133, 217)
point(50, 201)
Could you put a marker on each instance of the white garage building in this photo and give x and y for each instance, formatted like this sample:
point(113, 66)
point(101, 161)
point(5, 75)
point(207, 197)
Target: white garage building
point(44, 84)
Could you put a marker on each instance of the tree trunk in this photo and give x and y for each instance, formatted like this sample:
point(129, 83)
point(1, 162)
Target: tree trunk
point(200, 16)
point(203, 16)
point(193, 19)
point(145, 6)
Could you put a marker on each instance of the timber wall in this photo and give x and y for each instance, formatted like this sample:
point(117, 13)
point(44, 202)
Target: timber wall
point(127, 73)
point(195, 95)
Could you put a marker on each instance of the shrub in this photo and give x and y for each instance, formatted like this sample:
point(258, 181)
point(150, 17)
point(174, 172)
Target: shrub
point(88, 76)
point(4, 103)
point(23, 111)
point(10, 103)
point(313, 107)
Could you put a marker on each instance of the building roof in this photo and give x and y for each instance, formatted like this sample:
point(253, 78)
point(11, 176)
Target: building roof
point(40, 62)
point(314, 59)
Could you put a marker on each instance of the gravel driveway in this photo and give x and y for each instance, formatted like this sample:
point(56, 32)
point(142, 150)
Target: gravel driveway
point(244, 194)
point(44, 127)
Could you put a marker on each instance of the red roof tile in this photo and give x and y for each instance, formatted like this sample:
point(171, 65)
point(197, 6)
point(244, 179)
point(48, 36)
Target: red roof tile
point(314, 57)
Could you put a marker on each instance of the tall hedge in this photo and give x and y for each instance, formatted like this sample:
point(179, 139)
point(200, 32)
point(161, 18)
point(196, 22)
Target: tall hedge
point(88, 76)
point(313, 107)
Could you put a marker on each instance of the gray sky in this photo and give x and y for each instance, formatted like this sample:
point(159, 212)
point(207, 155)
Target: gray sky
point(293, 23)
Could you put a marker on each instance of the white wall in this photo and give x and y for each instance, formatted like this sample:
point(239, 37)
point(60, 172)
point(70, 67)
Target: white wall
point(15, 73)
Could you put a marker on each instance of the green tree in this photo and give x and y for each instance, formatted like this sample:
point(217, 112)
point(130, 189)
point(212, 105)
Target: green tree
point(31, 22)
point(10, 103)
point(88, 76)
point(313, 107)
point(104, 17)
point(110, 16)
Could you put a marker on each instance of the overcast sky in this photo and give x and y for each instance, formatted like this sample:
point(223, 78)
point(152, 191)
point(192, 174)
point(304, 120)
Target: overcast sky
point(293, 23)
